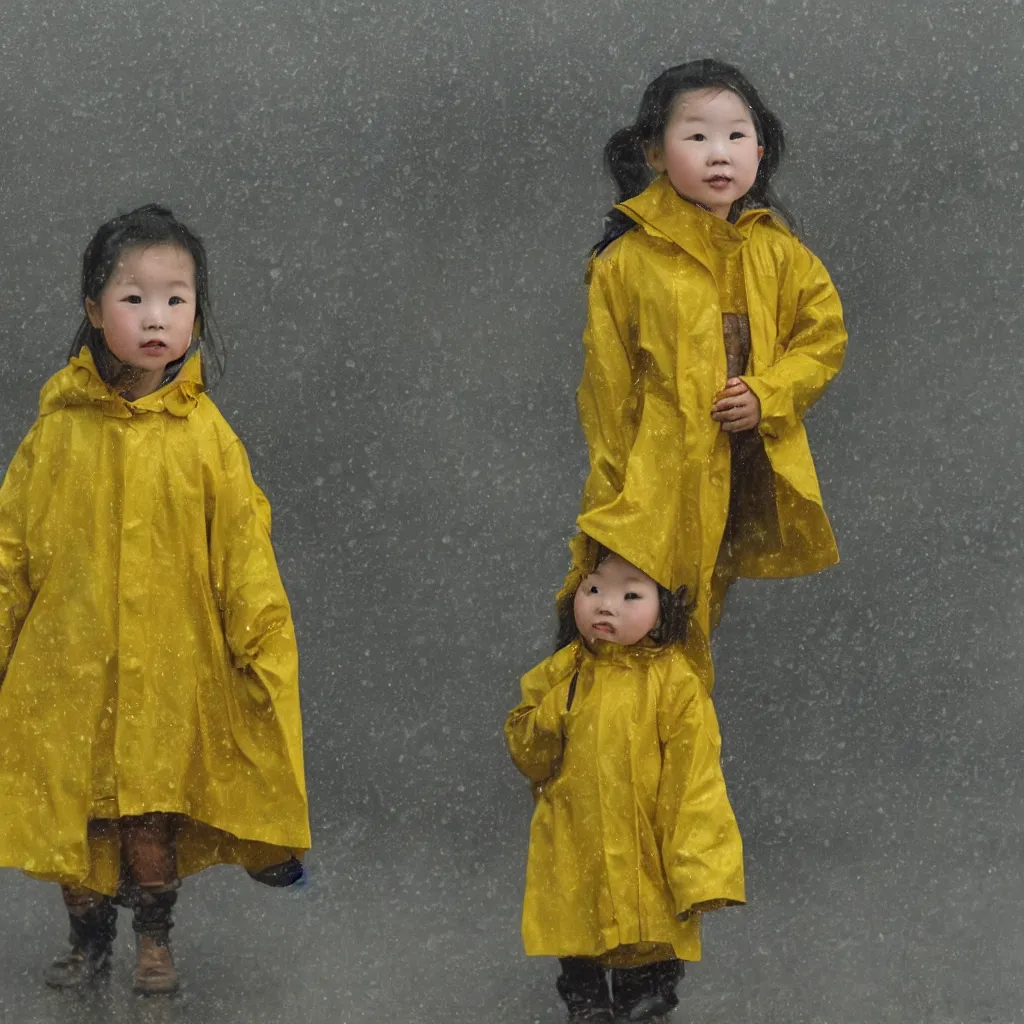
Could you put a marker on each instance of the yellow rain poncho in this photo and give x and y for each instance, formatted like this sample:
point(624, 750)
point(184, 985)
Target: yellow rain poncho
point(147, 653)
point(659, 482)
point(632, 826)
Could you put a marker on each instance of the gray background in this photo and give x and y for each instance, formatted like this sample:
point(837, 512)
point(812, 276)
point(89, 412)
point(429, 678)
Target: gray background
point(397, 198)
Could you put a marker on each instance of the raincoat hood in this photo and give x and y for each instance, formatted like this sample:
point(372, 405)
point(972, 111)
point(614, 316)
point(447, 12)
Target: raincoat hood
point(80, 383)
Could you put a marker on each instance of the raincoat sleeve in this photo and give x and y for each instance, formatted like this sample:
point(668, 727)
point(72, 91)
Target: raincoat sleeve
point(701, 849)
point(607, 398)
point(15, 591)
point(256, 613)
point(533, 731)
point(814, 346)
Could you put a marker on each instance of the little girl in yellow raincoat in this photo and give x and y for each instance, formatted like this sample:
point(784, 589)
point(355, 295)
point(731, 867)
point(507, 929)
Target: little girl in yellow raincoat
point(711, 331)
point(149, 705)
point(633, 836)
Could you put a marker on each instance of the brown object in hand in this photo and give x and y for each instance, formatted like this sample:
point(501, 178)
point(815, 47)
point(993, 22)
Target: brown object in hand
point(736, 330)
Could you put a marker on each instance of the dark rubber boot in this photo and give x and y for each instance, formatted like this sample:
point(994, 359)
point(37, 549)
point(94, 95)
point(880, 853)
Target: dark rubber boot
point(279, 876)
point(93, 920)
point(584, 987)
point(654, 1010)
point(646, 993)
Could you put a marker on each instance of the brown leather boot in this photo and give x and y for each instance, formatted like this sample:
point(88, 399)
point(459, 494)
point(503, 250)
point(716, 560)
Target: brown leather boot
point(155, 973)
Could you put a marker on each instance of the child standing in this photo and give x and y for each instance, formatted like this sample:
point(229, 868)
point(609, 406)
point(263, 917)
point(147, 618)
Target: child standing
point(149, 706)
point(711, 331)
point(633, 837)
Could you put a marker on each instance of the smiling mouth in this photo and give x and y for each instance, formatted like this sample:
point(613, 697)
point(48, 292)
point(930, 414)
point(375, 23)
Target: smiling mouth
point(604, 627)
point(156, 344)
point(719, 180)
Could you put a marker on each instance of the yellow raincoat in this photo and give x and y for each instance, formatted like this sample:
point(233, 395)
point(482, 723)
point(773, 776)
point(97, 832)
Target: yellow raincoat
point(632, 825)
point(658, 488)
point(147, 653)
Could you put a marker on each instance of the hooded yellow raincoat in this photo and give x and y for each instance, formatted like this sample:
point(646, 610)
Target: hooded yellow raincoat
point(632, 826)
point(659, 482)
point(147, 653)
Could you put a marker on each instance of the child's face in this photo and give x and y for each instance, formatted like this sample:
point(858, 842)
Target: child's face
point(710, 149)
point(616, 602)
point(148, 308)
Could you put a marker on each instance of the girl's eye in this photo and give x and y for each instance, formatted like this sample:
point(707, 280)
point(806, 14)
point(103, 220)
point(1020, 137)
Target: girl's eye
point(632, 596)
point(738, 135)
point(136, 299)
point(593, 589)
point(698, 137)
point(174, 300)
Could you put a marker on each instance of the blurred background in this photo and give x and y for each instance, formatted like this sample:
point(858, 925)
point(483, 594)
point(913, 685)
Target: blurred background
point(398, 200)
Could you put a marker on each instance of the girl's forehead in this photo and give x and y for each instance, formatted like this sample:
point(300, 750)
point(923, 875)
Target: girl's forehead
point(716, 102)
point(616, 568)
point(162, 260)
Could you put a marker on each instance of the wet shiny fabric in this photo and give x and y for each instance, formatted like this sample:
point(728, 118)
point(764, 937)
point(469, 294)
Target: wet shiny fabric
point(147, 653)
point(632, 826)
point(658, 490)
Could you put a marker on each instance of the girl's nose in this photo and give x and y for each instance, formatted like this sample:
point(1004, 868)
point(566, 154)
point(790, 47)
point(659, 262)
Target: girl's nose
point(154, 316)
point(719, 152)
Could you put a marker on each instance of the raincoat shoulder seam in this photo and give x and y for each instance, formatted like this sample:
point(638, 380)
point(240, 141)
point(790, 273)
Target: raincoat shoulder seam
point(561, 661)
point(775, 231)
point(609, 258)
point(217, 424)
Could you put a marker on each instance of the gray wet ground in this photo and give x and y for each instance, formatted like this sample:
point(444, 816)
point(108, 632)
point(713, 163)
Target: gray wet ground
point(879, 892)
point(422, 944)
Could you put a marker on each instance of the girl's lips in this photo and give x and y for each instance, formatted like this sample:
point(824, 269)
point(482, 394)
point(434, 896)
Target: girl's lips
point(154, 344)
point(719, 182)
point(603, 627)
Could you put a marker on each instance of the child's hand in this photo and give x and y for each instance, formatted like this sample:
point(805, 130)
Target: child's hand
point(737, 407)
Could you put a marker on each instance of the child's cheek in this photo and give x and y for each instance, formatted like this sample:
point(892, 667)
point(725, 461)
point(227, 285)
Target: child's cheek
point(579, 607)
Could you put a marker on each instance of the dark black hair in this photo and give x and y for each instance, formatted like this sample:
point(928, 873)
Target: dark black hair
point(147, 225)
point(673, 620)
point(625, 154)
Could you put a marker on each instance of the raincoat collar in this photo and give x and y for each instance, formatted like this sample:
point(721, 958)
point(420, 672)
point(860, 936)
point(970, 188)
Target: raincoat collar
point(662, 212)
point(605, 652)
point(79, 383)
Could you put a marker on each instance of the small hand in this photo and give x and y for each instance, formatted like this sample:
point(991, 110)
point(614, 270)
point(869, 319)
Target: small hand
point(737, 407)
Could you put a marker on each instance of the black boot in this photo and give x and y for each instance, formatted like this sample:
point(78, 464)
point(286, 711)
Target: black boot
point(583, 986)
point(287, 873)
point(646, 993)
point(155, 973)
point(93, 920)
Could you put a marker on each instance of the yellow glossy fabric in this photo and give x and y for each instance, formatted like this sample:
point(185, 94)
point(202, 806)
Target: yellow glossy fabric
point(658, 488)
point(632, 825)
point(147, 653)
point(726, 265)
